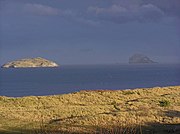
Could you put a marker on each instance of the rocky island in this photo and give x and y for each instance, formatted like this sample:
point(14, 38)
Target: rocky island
point(140, 59)
point(30, 62)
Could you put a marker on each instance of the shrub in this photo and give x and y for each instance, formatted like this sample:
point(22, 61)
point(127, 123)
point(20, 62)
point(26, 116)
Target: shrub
point(164, 103)
point(128, 92)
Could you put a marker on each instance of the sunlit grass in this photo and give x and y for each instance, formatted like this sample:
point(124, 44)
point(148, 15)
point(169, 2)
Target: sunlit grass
point(87, 110)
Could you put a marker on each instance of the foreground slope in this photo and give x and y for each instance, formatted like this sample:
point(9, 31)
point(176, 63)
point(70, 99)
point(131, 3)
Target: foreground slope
point(87, 110)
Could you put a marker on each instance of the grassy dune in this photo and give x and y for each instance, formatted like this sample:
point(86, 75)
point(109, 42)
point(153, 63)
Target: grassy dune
point(147, 110)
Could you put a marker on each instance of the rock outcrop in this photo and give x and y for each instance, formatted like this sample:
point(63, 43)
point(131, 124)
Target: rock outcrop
point(140, 59)
point(30, 63)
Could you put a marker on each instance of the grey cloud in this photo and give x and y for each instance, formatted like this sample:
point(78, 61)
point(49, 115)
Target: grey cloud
point(120, 14)
point(128, 3)
point(39, 9)
point(170, 7)
point(149, 12)
point(44, 10)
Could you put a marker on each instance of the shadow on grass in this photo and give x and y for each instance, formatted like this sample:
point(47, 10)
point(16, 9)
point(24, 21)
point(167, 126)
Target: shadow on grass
point(151, 128)
point(173, 113)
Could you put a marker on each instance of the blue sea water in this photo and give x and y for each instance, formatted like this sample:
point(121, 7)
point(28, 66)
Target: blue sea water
point(67, 79)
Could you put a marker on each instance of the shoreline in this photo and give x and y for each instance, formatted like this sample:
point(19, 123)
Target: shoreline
point(91, 90)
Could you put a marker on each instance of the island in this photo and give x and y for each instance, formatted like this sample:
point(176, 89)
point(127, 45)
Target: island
point(140, 59)
point(30, 63)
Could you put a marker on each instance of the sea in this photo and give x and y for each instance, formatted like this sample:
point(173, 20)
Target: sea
point(18, 82)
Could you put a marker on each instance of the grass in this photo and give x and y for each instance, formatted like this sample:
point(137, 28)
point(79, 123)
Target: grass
point(87, 111)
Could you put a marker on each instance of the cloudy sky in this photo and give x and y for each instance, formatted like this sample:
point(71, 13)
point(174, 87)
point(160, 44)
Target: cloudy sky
point(90, 31)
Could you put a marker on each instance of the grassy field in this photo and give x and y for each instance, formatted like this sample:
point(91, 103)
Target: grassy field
point(148, 110)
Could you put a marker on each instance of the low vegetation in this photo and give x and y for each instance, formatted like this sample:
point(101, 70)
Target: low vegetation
point(164, 103)
point(150, 110)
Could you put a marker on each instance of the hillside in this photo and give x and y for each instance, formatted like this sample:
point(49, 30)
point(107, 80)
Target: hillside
point(146, 110)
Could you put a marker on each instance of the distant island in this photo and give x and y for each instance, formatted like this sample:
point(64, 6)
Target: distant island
point(30, 63)
point(140, 59)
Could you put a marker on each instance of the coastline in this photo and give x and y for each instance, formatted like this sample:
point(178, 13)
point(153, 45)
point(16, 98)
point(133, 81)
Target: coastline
point(160, 105)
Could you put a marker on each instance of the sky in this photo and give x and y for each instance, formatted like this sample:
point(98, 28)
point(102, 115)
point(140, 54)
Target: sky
point(90, 31)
